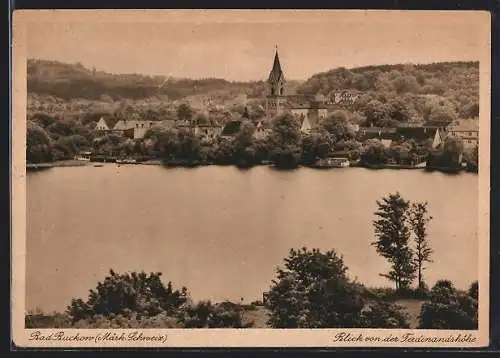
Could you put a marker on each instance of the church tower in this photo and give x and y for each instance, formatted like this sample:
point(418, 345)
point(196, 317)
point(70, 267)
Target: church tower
point(275, 99)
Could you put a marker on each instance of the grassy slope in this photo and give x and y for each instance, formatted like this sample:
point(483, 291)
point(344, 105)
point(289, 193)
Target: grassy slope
point(258, 316)
point(412, 309)
point(410, 306)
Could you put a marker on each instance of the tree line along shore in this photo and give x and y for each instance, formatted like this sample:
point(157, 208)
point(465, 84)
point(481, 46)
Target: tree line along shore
point(385, 127)
point(283, 146)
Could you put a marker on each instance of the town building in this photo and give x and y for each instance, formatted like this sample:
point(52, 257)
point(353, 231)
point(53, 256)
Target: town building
point(385, 135)
point(105, 124)
point(389, 136)
point(435, 136)
point(467, 130)
point(309, 114)
point(441, 124)
point(134, 129)
point(207, 131)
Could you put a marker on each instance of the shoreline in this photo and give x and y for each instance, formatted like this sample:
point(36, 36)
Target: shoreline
point(81, 163)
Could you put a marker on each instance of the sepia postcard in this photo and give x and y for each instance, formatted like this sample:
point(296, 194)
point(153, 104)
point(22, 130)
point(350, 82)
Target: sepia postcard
point(250, 178)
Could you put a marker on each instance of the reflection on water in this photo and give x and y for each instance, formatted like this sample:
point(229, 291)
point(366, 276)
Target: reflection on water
point(221, 231)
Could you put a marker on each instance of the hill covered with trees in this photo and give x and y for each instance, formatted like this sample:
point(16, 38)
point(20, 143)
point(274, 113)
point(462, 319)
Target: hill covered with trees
point(409, 90)
point(385, 94)
point(70, 81)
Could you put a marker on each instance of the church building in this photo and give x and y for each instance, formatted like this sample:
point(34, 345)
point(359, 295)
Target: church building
point(308, 111)
point(276, 99)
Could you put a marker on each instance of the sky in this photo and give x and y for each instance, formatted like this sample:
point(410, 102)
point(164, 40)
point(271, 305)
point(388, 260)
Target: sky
point(240, 46)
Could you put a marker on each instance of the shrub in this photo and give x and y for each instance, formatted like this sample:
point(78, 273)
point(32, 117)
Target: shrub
point(128, 320)
point(206, 315)
point(138, 300)
point(384, 314)
point(473, 290)
point(313, 291)
point(447, 308)
point(136, 292)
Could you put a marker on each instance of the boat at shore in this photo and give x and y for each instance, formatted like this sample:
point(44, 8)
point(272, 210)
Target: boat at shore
point(332, 162)
point(126, 161)
point(83, 156)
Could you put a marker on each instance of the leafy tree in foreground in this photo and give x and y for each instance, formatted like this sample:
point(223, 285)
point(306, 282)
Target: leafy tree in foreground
point(313, 291)
point(138, 300)
point(419, 218)
point(474, 290)
point(137, 292)
point(448, 308)
point(393, 237)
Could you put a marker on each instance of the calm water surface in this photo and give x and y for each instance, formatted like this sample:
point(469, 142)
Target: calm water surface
point(221, 231)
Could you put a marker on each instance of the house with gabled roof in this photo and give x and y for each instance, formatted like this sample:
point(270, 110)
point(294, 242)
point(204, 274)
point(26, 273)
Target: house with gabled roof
point(134, 129)
point(421, 134)
point(467, 130)
point(105, 124)
point(386, 135)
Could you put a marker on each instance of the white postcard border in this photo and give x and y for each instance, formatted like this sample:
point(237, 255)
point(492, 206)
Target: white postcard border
point(22, 337)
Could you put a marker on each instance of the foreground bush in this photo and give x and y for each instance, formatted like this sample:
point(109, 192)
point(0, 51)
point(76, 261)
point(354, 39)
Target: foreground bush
point(128, 320)
point(136, 292)
point(206, 315)
point(448, 308)
point(138, 300)
point(313, 291)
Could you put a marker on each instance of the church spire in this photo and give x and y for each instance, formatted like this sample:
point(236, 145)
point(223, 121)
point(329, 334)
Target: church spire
point(276, 75)
point(276, 98)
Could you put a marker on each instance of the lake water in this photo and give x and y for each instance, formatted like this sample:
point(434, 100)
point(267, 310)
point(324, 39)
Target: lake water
point(221, 231)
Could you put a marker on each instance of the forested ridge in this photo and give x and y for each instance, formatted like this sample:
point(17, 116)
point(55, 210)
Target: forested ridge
point(380, 88)
point(454, 84)
point(71, 81)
